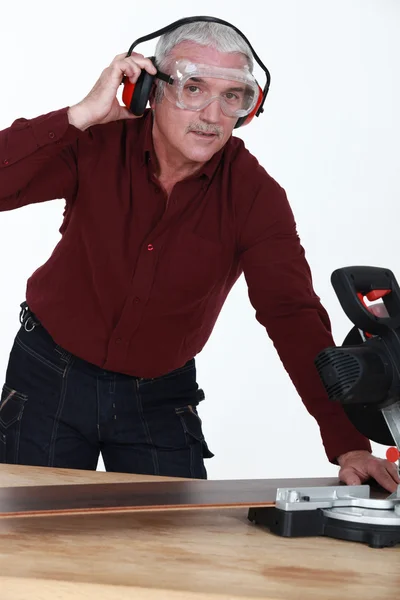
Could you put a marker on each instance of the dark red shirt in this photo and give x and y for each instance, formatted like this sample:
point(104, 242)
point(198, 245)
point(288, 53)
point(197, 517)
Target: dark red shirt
point(136, 284)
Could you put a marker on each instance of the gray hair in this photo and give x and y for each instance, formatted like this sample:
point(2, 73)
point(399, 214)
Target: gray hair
point(205, 33)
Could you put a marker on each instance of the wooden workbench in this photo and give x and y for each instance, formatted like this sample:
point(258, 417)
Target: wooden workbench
point(183, 555)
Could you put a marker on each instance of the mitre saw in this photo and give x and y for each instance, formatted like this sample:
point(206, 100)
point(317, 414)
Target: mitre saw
point(364, 375)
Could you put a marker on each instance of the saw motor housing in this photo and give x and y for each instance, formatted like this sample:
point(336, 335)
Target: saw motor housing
point(364, 373)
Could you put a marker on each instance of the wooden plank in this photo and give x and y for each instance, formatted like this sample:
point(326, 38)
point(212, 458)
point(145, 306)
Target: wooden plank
point(176, 555)
point(145, 496)
point(22, 475)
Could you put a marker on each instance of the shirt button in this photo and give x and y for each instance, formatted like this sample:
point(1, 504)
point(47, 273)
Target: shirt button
point(5, 161)
point(150, 247)
point(52, 134)
point(136, 300)
point(118, 340)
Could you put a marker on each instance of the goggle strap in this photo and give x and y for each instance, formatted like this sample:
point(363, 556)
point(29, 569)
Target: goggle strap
point(164, 77)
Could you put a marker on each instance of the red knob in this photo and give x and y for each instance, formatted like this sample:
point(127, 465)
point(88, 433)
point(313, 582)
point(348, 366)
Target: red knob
point(392, 454)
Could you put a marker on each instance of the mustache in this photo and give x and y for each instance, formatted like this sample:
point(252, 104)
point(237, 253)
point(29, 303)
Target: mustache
point(204, 128)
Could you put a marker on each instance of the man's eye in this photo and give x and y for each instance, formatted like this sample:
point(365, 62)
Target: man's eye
point(231, 96)
point(192, 88)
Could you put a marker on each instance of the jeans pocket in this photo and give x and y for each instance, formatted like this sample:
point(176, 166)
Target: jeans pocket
point(12, 404)
point(39, 346)
point(192, 426)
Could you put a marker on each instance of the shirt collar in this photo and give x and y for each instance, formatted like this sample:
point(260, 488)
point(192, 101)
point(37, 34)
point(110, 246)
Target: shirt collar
point(148, 152)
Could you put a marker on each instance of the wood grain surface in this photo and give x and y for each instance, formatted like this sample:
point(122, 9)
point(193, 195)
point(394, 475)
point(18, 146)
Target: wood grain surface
point(176, 555)
point(145, 496)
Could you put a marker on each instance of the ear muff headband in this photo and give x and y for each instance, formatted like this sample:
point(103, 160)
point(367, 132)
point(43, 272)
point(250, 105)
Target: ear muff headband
point(135, 96)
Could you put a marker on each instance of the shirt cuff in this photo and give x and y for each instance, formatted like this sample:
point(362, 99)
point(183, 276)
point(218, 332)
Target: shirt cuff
point(340, 436)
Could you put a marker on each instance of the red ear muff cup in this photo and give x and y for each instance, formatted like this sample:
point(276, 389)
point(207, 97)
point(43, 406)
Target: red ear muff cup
point(127, 92)
point(135, 96)
point(246, 120)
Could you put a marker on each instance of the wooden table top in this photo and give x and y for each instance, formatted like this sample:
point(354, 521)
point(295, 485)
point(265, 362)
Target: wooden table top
point(182, 555)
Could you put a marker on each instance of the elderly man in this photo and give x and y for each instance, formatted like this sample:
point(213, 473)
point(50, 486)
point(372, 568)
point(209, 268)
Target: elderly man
point(163, 213)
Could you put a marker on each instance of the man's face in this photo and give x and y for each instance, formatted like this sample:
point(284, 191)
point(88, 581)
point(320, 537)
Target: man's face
point(179, 129)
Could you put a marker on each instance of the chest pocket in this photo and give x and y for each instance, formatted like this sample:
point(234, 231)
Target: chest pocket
point(191, 266)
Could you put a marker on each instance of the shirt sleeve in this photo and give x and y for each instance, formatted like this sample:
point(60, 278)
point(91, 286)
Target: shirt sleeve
point(281, 291)
point(38, 160)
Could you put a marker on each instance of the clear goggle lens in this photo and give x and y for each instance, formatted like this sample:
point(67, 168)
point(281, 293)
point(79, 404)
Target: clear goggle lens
point(195, 86)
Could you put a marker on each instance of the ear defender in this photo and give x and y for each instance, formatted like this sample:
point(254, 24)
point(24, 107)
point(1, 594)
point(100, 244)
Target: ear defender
point(135, 96)
point(248, 118)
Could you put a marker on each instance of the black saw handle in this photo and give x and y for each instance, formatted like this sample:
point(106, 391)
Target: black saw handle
point(352, 284)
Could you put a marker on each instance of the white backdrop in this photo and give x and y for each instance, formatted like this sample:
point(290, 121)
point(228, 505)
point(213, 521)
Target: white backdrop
point(330, 136)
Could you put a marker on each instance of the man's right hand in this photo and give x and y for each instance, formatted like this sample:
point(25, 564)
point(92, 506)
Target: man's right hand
point(101, 104)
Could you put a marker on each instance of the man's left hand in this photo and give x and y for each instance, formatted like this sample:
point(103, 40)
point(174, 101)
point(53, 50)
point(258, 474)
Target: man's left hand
point(359, 465)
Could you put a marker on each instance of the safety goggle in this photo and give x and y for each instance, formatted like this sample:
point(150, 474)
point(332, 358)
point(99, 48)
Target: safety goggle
point(193, 86)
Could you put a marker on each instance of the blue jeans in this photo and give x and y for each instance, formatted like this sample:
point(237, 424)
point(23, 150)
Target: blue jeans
point(57, 410)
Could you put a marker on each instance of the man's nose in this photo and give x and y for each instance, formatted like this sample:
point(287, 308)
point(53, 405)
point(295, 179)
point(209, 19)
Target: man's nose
point(212, 112)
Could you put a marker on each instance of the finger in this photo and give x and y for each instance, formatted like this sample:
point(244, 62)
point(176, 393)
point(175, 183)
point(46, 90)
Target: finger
point(144, 63)
point(393, 471)
point(382, 465)
point(380, 473)
point(386, 481)
point(137, 60)
point(118, 70)
point(117, 58)
point(131, 70)
point(123, 55)
point(347, 476)
point(136, 54)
